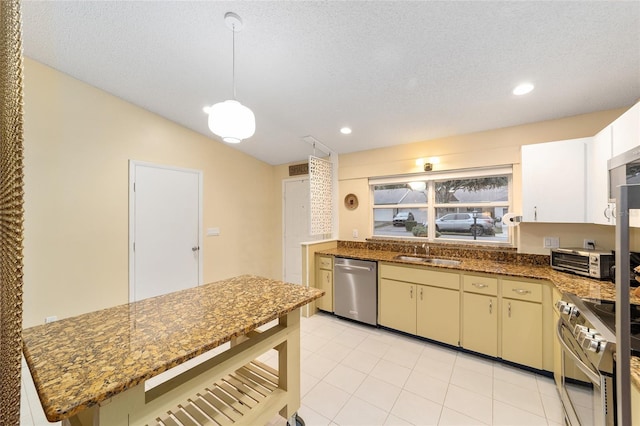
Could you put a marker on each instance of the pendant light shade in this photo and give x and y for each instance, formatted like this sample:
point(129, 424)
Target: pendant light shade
point(231, 120)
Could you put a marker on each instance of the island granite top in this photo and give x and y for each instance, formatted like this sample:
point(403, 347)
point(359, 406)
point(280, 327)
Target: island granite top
point(80, 361)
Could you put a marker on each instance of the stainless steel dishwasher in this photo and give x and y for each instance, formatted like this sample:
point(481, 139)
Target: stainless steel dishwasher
point(355, 289)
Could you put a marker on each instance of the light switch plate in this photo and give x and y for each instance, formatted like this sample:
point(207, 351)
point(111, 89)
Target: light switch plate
point(213, 232)
point(551, 242)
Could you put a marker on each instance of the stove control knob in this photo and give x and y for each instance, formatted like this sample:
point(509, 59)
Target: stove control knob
point(595, 344)
point(578, 329)
point(585, 335)
point(566, 308)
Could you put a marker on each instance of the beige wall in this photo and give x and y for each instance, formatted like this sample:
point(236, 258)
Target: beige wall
point(78, 141)
point(490, 148)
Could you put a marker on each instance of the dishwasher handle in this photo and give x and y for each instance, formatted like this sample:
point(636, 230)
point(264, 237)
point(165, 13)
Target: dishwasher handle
point(364, 268)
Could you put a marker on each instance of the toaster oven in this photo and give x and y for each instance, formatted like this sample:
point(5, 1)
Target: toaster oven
point(589, 263)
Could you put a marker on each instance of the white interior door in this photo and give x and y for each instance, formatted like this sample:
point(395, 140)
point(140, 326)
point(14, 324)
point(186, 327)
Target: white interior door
point(164, 234)
point(296, 227)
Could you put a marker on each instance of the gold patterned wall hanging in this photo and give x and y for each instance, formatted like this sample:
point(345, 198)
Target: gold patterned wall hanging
point(11, 211)
point(320, 196)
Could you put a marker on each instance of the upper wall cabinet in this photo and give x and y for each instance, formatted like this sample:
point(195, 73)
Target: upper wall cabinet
point(599, 210)
point(626, 131)
point(554, 181)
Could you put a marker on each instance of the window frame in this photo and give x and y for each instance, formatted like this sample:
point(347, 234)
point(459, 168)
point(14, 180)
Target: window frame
point(430, 178)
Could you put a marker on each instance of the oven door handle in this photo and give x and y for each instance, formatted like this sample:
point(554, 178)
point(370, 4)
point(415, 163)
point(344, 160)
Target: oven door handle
point(594, 377)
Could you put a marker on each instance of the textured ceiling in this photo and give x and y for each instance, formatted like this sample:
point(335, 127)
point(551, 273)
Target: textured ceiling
point(396, 72)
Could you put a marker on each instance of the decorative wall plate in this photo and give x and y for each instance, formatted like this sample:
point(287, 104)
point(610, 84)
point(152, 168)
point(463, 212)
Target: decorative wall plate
point(351, 201)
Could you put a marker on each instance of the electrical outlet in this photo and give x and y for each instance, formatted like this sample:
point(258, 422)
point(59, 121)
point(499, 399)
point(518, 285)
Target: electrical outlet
point(355, 233)
point(589, 244)
point(551, 242)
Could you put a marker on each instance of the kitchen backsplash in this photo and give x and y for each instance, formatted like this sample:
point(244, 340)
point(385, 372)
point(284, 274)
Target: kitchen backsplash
point(496, 254)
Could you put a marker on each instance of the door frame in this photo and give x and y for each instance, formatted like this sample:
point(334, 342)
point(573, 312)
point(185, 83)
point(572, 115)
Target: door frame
point(284, 224)
point(132, 176)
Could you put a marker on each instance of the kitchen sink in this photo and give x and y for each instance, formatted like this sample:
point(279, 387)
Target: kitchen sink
point(429, 260)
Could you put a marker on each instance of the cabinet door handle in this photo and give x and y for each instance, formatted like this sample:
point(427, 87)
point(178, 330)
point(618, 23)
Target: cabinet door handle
point(607, 213)
point(480, 285)
point(411, 292)
point(328, 278)
point(613, 212)
point(509, 309)
point(421, 290)
point(535, 213)
point(521, 291)
point(490, 306)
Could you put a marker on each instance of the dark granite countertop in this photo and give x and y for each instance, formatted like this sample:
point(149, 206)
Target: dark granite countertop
point(80, 361)
point(565, 282)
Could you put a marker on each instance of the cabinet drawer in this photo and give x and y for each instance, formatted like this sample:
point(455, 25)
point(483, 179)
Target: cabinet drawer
point(521, 290)
point(420, 276)
point(480, 284)
point(325, 262)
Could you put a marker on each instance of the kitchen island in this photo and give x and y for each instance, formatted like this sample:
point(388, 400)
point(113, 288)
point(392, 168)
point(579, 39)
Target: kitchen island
point(92, 369)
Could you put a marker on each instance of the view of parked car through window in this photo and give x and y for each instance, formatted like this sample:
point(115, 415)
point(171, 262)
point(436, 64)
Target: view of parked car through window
point(469, 208)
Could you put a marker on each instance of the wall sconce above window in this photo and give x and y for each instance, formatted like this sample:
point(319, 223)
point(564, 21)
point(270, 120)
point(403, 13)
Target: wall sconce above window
point(427, 163)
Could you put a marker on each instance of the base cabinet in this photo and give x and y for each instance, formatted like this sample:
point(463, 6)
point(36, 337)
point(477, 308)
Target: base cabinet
point(490, 314)
point(557, 349)
point(324, 281)
point(522, 332)
point(397, 308)
point(522, 323)
point(420, 301)
point(480, 323)
point(438, 314)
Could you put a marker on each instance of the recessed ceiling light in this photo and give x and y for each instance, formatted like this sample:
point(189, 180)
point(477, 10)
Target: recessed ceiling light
point(345, 131)
point(523, 89)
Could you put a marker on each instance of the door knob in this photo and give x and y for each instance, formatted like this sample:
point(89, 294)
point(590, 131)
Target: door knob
point(195, 248)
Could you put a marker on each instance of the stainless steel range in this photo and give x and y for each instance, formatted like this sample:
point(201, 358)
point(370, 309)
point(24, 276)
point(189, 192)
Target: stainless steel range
point(586, 331)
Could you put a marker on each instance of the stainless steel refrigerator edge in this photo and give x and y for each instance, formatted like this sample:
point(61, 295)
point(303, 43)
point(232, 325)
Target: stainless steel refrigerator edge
point(628, 199)
point(356, 290)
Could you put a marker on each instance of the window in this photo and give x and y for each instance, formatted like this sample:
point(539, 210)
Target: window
point(464, 205)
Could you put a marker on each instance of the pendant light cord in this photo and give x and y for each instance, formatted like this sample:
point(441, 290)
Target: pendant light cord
point(233, 60)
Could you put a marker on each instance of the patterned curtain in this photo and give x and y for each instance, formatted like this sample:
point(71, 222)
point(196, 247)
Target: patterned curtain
point(11, 211)
point(321, 196)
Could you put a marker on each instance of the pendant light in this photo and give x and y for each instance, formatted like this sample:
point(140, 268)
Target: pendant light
point(231, 120)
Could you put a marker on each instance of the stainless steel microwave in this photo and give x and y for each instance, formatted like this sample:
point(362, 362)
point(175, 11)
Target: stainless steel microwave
point(624, 169)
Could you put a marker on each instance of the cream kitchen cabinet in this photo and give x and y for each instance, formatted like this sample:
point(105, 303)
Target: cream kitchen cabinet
point(557, 349)
point(480, 314)
point(521, 331)
point(324, 281)
point(599, 210)
point(626, 131)
point(420, 301)
point(438, 314)
point(397, 305)
point(500, 316)
point(553, 181)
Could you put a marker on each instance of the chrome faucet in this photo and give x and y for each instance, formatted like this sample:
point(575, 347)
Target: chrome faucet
point(426, 249)
point(415, 250)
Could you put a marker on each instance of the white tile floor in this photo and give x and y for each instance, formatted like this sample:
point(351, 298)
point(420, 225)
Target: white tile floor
point(353, 374)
